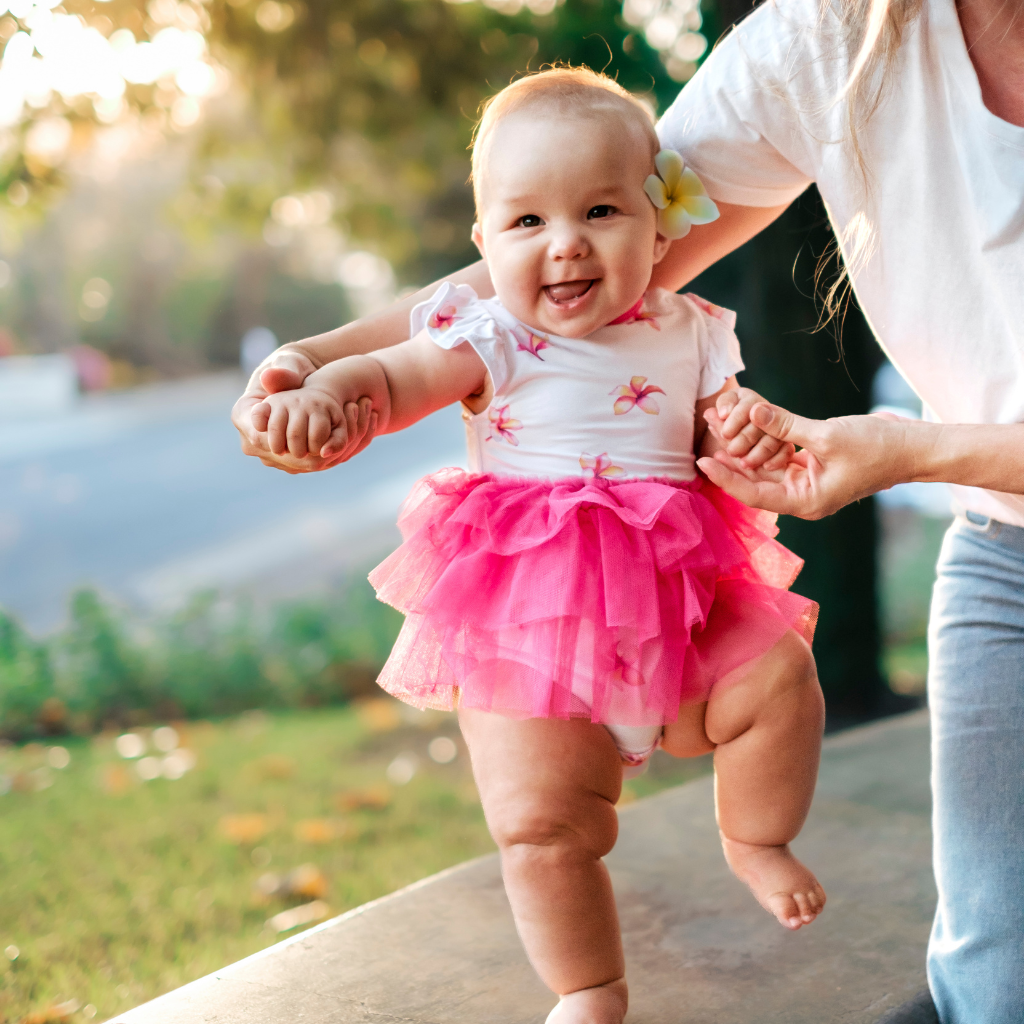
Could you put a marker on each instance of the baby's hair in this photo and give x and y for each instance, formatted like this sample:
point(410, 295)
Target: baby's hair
point(577, 92)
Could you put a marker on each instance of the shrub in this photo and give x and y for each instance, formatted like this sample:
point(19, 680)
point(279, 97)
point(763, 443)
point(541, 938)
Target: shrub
point(213, 657)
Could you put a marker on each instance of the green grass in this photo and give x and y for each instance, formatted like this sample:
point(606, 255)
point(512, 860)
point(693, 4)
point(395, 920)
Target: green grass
point(115, 890)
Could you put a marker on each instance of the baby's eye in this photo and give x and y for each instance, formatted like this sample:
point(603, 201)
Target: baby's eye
point(597, 212)
point(531, 220)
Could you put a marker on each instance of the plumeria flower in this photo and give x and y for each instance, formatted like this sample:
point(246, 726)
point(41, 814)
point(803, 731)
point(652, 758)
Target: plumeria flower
point(679, 196)
point(635, 394)
point(626, 668)
point(533, 343)
point(600, 465)
point(502, 426)
point(443, 318)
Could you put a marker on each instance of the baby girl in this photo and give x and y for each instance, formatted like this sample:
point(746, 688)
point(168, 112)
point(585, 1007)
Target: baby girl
point(582, 596)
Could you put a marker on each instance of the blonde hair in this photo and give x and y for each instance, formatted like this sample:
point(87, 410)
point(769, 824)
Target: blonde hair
point(873, 32)
point(568, 91)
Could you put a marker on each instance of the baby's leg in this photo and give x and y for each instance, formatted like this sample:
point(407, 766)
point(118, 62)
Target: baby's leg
point(766, 726)
point(549, 790)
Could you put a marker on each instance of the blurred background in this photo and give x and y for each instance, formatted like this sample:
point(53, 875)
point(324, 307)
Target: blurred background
point(187, 642)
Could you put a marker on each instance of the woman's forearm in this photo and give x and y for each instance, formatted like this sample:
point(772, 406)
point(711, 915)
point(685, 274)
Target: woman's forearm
point(974, 455)
point(707, 244)
point(386, 328)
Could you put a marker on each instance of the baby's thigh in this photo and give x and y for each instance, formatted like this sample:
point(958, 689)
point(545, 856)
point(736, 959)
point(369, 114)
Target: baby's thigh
point(544, 778)
point(781, 684)
point(686, 736)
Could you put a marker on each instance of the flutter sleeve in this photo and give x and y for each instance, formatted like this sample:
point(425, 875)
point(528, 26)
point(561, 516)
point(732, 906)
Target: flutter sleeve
point(454, 315)
point(720, 358)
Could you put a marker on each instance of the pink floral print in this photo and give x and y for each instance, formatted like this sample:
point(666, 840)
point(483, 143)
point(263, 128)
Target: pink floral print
point(643, 317)
point(527, 341)
point(600, 465)
point(636, 394)
point(443, 318)
point(709, 307)
point(502, 426)
point(636, 315)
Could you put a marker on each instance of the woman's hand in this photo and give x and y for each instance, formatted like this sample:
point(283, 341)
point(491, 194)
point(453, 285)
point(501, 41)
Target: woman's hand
point(840, 460)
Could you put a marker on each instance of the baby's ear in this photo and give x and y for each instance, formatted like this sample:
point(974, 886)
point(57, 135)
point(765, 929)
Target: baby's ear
point(661, 246)
point(478, 239)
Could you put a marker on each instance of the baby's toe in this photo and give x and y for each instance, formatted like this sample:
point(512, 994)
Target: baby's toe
point(786, 909)
point(808, 908)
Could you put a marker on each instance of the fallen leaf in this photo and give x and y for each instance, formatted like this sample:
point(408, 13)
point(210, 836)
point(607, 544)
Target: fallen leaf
point(244, 829)
point(315, 830)
point(374, 798)
point(380, 714)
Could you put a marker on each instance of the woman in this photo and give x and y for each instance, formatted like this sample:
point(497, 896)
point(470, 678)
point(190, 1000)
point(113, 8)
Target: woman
point(909, 117)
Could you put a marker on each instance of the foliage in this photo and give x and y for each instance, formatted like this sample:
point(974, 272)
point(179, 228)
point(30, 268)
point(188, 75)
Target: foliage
point(213, 657)
point(379, 99)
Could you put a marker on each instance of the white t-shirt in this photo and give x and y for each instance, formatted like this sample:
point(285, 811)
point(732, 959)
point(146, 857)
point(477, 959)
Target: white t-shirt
point(944, 287)
point(617, 403)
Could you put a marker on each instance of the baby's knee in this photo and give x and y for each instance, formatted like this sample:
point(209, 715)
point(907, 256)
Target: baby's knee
point(587, 827)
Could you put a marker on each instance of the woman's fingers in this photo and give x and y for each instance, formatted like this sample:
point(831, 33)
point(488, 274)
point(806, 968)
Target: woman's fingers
point(767, 494)
point(786, 426)
point(371, 431)
point(287, 371)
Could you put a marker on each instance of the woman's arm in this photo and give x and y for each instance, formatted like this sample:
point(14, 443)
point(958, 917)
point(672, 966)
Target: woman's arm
point(850, 457)
point(688, 256)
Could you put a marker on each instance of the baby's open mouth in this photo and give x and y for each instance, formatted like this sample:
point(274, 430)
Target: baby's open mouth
point(567, 291)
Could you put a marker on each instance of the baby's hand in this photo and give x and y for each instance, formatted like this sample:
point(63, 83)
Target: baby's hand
point(310, 422)
point(749, 446)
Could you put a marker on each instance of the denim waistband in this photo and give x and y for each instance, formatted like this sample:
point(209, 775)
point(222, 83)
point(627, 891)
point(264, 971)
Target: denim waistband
point(991, 529)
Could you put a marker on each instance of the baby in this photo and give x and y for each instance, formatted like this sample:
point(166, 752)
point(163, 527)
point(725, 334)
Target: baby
point(583, 595)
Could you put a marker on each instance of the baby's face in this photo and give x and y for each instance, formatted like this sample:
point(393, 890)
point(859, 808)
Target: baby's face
point(567, 230)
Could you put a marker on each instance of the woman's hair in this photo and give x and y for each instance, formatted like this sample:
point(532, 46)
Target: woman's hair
point(873, 31)
point(564, 91)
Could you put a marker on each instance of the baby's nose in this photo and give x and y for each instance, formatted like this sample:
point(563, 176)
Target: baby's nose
point(569, 244)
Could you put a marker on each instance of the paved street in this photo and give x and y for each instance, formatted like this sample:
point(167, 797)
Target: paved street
point(145, 495)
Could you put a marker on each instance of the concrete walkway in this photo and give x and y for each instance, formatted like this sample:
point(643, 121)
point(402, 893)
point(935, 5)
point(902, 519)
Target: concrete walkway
point(699, 950)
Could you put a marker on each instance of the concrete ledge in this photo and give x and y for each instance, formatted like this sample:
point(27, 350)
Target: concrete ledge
point(444, 951)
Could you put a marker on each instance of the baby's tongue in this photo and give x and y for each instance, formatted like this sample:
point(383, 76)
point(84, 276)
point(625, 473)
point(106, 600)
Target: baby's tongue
point(567, 290)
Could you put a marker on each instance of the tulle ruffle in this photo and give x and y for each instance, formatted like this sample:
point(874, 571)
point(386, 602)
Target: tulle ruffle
point(613, 600)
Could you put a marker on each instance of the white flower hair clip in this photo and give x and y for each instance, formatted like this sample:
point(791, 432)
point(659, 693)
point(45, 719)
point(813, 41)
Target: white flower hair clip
point(679, 196)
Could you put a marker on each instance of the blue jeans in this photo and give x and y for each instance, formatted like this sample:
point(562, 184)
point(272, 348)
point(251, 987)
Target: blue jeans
point(976, 695)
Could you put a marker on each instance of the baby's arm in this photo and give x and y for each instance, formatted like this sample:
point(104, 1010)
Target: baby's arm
point(394, 388)
point(728, 428)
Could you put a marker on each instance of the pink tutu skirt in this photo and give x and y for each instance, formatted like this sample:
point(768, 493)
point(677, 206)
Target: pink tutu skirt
point(612, 600)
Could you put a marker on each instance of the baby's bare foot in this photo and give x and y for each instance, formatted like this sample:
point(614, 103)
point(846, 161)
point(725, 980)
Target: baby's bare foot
point(603, 1004)
point(779, 882)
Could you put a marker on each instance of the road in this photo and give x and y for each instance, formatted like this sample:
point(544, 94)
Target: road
point(146, 496)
